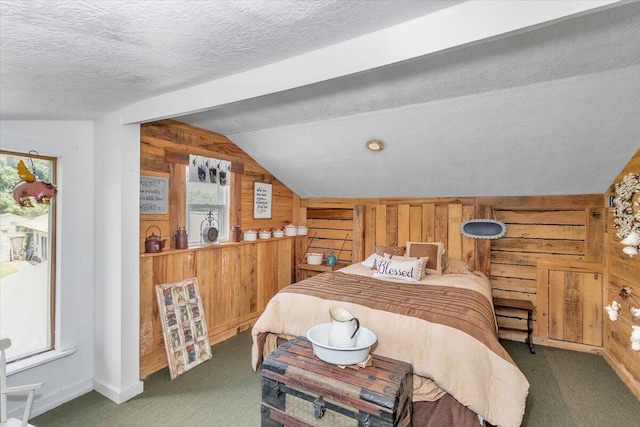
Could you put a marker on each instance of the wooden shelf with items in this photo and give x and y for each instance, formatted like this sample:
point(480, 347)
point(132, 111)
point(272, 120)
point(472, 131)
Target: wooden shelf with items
point(304, 270)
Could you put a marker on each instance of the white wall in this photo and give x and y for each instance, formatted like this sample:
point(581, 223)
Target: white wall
point(72, 143)
point(117, 229)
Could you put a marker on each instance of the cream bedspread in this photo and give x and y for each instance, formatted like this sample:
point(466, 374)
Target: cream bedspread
point(454, 346)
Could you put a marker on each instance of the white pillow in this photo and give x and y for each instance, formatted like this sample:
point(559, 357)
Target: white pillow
point(424, 259)
point(371, 259)
point(410, 271)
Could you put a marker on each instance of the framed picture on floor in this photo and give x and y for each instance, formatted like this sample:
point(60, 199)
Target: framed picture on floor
point(184, 329)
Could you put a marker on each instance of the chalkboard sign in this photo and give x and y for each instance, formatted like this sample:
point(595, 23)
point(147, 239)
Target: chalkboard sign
point(154, 195)
point(261, 200)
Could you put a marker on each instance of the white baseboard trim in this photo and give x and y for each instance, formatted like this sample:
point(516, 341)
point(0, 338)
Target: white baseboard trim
point(115, 394)
point(42, 404)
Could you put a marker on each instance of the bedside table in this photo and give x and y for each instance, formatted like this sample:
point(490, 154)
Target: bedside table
point(519, 304)
point(303, 269)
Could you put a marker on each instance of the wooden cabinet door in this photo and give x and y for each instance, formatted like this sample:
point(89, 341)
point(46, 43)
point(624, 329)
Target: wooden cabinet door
point(573, 301)
point(575, 306)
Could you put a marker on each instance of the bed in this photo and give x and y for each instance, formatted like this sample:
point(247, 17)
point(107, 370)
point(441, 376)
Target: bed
point(444, 324)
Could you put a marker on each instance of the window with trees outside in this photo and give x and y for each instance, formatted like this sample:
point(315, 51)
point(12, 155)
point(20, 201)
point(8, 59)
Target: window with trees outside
point(27, 260)
point(207, 205)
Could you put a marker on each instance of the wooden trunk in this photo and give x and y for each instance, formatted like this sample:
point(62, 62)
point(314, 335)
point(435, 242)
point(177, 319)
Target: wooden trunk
point(298, 389)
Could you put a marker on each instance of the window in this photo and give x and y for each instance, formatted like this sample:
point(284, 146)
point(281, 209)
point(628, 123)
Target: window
point(207, 205)
point(27, 260)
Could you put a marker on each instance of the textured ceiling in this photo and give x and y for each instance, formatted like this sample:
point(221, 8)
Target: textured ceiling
point(81, 59)
point(554, 110)
point(584, 45)
point(545, 109)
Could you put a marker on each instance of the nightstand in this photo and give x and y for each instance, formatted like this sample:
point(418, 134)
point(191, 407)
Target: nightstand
point(519, 304)
point(303, 269)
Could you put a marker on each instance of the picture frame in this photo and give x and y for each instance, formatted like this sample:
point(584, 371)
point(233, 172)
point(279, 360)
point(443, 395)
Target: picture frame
point(184, 329)
point(262, 200)
point(154, 195)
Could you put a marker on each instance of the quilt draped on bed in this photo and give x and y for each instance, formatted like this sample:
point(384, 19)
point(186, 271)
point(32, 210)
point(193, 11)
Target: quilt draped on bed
point(447, 333)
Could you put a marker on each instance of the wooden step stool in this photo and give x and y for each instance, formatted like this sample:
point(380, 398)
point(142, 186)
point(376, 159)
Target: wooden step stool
point(519, 304)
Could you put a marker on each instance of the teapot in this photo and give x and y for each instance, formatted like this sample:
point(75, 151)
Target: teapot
point(343, 329)
point(331, 260)
point(154, 243)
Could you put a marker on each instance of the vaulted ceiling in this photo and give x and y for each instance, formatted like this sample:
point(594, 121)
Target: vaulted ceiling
point(470, 98)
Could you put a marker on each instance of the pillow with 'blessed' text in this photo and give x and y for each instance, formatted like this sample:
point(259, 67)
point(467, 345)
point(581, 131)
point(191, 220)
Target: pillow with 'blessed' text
point(410, 271)
point(424, 259)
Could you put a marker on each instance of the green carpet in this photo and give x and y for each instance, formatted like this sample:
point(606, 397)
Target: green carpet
point(567, 389)
point(223, 391)
point(573, 389)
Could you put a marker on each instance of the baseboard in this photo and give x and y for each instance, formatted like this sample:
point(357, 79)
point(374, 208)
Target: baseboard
point(116, 394)
point(43, 404)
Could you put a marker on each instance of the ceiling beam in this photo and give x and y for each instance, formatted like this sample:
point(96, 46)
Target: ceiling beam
point(460, 24)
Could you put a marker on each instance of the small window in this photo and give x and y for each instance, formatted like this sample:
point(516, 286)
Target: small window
point(207, 205)
point(27, 260)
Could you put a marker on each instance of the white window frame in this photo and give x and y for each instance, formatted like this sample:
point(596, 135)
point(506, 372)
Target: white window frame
point(222, 210)
point(71, 143)
point(52, 257)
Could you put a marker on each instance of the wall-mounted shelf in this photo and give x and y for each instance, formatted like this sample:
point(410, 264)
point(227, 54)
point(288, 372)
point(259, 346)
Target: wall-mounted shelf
point(303, 269)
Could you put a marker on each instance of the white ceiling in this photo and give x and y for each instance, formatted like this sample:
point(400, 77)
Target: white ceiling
point(541, 108)
point(81, 59)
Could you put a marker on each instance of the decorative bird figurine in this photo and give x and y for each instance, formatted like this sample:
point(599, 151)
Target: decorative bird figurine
point(30, 189)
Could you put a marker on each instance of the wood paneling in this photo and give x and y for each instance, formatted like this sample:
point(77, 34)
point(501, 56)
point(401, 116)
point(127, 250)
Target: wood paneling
point(372, 223)
point(621, 270)
point(236, 280)
point(332, 230)
point(569, 301)
point(164, 146)
point(542, 228)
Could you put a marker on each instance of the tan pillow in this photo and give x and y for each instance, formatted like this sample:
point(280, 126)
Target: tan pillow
point(433, 250)
point(387, 251)
point(424, 259)
point(454, 266)
point(391, 250)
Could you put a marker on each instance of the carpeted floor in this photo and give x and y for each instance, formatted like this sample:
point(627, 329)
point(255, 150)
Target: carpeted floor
point(567, 389)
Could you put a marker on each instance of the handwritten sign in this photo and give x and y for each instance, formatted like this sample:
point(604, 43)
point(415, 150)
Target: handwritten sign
point(261, 200)
point(154, 195)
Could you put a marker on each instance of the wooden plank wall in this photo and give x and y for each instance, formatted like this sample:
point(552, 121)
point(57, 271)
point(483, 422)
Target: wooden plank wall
point(361, 224)
point(164, 149)
point(396, 224)
point(569, 304)
point(236, 281)
point(621, 270)
point(538, 229)
point(331, 231)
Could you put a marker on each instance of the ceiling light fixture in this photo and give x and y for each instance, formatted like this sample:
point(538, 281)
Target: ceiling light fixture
point(375, 145)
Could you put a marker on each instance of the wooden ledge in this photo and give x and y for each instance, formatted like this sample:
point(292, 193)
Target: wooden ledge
point(213, 246)
point(521, 304)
